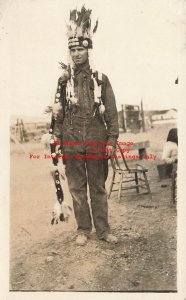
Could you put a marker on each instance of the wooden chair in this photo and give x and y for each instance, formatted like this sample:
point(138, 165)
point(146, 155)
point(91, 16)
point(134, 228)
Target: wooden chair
point(135, 175)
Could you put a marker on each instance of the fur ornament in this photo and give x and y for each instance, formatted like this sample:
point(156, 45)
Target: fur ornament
point(61, 212)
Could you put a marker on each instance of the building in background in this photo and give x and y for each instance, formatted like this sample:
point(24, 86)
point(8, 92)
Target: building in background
point(25, 129)
point(162, 116)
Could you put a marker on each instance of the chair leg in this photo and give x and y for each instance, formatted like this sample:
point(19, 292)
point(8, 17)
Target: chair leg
point(120, 187)
point(136, 181)
point(147, 183)
point(112, 183)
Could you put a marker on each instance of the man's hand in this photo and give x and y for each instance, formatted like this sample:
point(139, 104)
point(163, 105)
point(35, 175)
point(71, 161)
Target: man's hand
point(109, 150)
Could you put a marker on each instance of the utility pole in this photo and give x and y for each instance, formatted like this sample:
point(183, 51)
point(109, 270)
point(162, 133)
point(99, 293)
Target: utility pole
point(123, 118)
point(142, 116)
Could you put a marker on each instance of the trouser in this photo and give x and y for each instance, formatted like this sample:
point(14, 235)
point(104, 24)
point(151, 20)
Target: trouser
point(78, 172)
point(92, 170)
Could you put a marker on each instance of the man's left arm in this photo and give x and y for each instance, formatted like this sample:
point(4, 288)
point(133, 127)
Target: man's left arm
point(111, 114)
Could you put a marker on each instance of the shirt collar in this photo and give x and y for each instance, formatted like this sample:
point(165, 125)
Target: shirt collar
point(85, 68)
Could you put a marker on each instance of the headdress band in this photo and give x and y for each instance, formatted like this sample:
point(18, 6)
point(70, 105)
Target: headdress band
point(80, 41)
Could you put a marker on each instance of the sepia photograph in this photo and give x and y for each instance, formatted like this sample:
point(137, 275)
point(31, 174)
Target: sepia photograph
point(93, 98)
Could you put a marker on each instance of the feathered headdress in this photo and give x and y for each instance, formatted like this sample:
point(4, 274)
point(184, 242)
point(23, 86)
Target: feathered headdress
point(79, 30)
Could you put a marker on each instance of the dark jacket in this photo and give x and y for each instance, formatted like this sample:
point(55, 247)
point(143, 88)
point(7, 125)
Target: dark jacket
point(84, 88)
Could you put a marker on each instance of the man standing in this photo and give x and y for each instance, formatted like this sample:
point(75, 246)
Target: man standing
point(86, 121)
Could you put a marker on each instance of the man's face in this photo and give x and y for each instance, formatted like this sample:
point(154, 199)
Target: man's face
point(79, 55)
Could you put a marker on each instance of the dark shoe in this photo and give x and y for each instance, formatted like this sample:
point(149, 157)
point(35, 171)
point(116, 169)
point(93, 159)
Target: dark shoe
point(81, 239)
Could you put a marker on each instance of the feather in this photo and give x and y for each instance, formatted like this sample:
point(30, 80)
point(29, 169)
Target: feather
point(80, 15)
point(85, 25)
point(69, 31)
point(89, 33)
point(63, 66)
point(86, 16)
point(80, 23)
point(79, 31)
point(86, 34)
point(78, 18)
point(95, 27)
point(86, 20)
point(73, 15)
point(73, 28)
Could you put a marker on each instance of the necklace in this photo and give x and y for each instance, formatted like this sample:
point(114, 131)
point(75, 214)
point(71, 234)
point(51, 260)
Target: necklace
point(73, 100)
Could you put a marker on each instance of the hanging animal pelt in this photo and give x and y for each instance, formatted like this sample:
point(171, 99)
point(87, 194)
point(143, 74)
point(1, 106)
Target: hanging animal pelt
point(61, 210)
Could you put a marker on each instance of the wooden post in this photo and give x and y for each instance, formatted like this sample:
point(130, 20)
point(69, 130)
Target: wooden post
point(22, 131)
point(123, 118)
point(142, 116)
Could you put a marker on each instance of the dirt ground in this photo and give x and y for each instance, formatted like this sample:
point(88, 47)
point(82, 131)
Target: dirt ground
point(45, 258)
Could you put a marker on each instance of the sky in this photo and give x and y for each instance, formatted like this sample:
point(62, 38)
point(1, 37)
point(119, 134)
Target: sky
point(140, 45)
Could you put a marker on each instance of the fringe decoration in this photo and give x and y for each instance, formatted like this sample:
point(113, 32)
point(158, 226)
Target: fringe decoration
point(91, 63)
